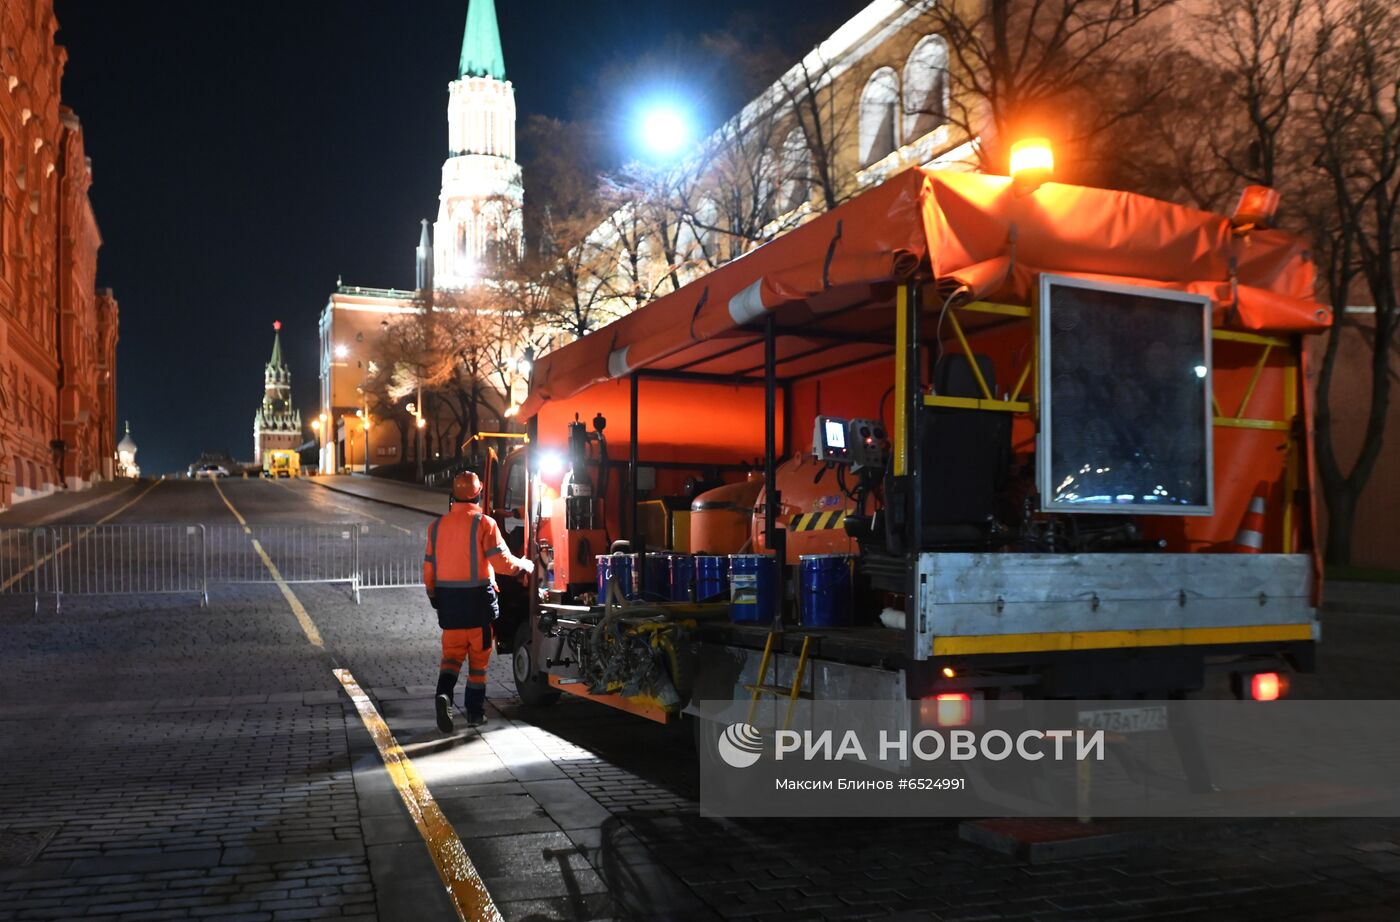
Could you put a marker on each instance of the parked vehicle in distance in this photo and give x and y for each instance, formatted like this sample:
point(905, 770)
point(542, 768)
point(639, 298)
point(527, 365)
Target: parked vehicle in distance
point(281, 462)
point(208, 470)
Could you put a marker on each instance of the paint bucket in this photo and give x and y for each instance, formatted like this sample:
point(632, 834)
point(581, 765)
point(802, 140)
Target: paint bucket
point(824, 598)
point(711, 577)
point(625, 566)
point(659, 576)
point(753, 588)
point(682, 576)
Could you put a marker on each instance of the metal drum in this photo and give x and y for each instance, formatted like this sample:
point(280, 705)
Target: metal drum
point(661, 572)
point(625, 566)
point(711, 577)
point(824, 598)
point(682, 576)
point(753, 588)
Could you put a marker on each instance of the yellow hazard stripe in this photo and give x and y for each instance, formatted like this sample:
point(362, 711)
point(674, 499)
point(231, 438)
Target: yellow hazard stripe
point(817, 521)
point(1108, 640)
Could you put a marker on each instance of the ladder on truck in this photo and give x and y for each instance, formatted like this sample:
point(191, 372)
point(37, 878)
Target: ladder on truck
point(792, 693)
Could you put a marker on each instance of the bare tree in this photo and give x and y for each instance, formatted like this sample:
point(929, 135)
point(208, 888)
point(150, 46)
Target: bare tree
point(1266, 50)
point(1355, 93)
point(1071, 65)
point(824, 127)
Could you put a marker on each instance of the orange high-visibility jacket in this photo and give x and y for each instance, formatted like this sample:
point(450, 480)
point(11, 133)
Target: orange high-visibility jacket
point(464, 549)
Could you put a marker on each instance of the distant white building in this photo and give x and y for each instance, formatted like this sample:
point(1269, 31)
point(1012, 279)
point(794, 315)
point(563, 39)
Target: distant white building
point(479, 208)
point(126, 455)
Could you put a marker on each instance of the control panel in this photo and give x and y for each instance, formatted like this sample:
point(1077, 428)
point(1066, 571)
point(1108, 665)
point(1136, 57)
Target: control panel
point(861, 443)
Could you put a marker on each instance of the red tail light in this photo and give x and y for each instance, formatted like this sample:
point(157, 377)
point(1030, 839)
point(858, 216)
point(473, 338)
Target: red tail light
point(950, 709)
point(1266, 686)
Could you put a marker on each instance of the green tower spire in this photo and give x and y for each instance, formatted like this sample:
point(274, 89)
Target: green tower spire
point(481, 44)
point(276, 360)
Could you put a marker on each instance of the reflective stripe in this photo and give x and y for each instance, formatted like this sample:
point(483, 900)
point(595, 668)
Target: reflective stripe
point(476, 683)
point(476, 566)
point(478, 672)
point(1248, 537)
point(430, 558)
point(462, 583)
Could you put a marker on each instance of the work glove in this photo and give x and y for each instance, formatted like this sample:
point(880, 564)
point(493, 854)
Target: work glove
point(527, 567)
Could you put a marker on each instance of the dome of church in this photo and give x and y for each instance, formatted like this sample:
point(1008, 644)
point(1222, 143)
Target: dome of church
point(127, 444)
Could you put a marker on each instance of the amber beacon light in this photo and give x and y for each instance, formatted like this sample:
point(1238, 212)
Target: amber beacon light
point(1032, 163)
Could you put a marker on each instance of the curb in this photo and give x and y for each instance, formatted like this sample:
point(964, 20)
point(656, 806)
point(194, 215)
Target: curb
point(373, 499)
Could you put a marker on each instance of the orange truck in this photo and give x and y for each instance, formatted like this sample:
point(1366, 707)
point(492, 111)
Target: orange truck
point(953, 439)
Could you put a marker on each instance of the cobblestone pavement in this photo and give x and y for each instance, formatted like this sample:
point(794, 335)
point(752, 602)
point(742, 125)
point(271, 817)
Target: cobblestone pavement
point(168, 761)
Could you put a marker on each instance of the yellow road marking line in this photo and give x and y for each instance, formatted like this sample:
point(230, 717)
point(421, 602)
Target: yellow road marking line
point(347, 509)
point(465, 887)
point(308, 627)
point(81, 535)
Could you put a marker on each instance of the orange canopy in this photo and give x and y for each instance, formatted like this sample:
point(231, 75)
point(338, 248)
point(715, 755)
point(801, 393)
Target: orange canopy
point(830, 282)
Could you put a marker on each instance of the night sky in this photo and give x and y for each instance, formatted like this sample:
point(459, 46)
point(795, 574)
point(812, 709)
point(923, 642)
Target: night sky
point(245, 155)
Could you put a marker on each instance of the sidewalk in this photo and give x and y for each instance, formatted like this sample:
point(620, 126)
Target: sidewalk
point(428, 500)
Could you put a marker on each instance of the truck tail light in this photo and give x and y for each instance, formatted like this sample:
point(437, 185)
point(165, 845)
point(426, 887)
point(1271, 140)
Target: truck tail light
point(1267, 686)
point(947, 709)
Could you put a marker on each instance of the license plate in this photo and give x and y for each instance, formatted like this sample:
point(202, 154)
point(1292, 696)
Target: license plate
point(1125, 720)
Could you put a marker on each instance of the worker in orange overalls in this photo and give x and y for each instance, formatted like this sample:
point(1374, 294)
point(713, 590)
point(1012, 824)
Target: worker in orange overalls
point(464, 550)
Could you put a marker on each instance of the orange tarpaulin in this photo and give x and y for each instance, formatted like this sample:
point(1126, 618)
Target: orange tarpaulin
point(971, 234)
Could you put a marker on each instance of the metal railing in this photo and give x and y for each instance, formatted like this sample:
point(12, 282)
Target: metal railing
point(148, 559)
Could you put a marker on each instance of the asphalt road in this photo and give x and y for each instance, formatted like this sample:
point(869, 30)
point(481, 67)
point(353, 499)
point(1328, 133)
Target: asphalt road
point(168, 760)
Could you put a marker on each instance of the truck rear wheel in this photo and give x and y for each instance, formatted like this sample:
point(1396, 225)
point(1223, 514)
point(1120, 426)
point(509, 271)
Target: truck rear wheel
point(533, 688)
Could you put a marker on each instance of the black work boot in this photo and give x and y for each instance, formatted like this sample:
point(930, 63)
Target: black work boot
point(443, 705)
point(476, 718)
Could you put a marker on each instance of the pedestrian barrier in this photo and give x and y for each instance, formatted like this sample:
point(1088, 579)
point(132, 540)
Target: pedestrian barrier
point(147, 559)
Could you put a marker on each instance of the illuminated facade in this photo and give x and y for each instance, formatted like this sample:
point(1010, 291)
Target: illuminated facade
point(478, 221)
point(58, 334)
point(277, 424)
point(479, 218)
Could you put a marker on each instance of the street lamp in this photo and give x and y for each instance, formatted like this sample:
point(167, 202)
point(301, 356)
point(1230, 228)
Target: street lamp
point(663, 129)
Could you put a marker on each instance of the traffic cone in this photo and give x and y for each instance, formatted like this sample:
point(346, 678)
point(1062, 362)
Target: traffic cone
point(1250, 538)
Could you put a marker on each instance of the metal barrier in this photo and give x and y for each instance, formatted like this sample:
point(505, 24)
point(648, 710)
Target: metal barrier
point(146, 559)
point(19, 555)
point(121, 560)
point(389, 559)
point(300, 553)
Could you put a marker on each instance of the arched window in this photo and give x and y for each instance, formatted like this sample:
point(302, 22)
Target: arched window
point(796, 165)
point(879, 123)
point(926, 93)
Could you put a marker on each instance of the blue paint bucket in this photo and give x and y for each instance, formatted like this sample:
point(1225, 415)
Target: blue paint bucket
point(711, 577)
point(824, 598)
point(659, 577)
point(625, 566)
point(681, 570)
point(753, 588)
